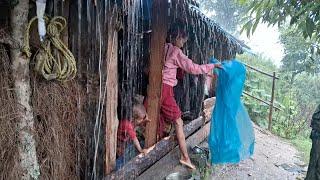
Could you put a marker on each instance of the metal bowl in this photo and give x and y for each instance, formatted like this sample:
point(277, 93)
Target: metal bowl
point(178, 176)
point(174, 176)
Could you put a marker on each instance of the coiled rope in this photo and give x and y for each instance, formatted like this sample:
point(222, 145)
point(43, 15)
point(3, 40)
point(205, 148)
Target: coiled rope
point(54, 60)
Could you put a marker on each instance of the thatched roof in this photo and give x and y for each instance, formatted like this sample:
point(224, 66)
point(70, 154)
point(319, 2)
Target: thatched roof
point(205, 28)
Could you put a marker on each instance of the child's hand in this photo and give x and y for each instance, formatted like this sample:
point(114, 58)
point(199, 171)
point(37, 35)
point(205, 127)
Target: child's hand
point(145, 151)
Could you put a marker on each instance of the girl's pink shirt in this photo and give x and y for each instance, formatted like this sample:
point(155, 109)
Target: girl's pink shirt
point(176, 59)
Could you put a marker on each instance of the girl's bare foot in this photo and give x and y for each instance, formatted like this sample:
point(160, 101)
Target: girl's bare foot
point(188, 164)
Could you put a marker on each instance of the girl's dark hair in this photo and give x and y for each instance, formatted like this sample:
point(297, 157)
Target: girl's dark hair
point(176, 29)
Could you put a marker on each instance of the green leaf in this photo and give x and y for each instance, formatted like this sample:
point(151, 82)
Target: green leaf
point(309, 26)
point(256, 7)
point(247, 27)
point(293, 20)
point(255, 25)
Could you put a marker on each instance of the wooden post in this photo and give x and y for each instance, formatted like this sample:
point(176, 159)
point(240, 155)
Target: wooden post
point(271, 102)
point(159, 33)
point(112, 93)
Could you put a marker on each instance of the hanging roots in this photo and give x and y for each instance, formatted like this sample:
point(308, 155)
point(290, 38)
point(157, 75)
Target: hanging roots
point(54, 60)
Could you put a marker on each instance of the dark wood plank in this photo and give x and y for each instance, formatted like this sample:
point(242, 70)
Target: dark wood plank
point(112, 94)
point(159, 33)
point(65, 14)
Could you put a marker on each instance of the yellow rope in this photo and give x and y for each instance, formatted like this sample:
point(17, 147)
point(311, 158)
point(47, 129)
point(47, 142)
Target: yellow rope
point(54, 60)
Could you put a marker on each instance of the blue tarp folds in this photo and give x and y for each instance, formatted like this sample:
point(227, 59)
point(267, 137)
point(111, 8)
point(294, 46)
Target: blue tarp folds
point(231, 136)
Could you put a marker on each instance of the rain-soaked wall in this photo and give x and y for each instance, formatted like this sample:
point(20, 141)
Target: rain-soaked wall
point(88, 40)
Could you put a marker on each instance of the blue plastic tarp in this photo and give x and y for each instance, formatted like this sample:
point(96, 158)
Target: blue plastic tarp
point(231, 136)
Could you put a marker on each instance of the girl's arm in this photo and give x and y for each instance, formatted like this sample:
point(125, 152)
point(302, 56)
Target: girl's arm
point(186, 64)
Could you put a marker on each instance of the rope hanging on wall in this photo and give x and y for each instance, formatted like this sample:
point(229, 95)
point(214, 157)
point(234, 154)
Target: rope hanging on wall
point(53, 60)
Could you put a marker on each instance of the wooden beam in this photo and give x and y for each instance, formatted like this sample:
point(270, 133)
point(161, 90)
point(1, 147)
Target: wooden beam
point(165, 165)
point(140, 163)
point(158, 36)
point(112, 93)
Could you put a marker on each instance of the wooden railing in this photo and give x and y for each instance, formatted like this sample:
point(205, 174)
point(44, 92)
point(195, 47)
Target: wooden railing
point(271, 102)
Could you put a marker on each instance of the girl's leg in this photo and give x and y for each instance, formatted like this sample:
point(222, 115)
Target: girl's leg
point(182, 144)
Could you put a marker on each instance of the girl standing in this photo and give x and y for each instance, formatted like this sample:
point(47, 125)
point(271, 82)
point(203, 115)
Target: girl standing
point(174, 59)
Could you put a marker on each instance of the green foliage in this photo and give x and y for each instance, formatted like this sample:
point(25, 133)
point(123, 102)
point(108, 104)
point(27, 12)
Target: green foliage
point(299, 54)
point(284, 123)
point(304, 146)
point(227, 13)
point(258, 86)
point(296, 100)
point(299, 100)
point(302, 14)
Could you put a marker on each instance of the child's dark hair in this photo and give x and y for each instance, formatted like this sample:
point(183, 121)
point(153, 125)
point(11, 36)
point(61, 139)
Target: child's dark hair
point(176, 29)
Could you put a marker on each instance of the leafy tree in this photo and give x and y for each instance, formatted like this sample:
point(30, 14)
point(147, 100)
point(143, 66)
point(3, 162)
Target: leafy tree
point(227, 13)
point(305, 15)
point(299, 54)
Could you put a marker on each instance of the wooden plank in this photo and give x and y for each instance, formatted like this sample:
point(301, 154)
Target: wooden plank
point(65, 14)
point(165, 165)
point(271, 102)
point(112, 94)
point(208, 106)
point(140, 163)
point(158, 37)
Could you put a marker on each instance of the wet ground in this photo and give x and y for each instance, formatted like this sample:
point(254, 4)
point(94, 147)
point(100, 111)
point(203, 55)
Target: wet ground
point(274, 158)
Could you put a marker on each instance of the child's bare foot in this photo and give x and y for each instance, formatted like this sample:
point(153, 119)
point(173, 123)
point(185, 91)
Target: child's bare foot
point(187, 163)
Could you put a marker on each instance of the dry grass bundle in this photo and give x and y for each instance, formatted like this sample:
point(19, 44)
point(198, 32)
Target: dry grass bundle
point(59, 124)
point(8, 134)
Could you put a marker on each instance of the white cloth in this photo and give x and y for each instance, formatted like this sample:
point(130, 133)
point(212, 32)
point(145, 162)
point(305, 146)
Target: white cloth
point(41, 6)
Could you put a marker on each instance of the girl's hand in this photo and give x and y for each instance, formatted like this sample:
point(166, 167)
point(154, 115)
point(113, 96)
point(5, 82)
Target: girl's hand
point(218, 66)
point(211, 75)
